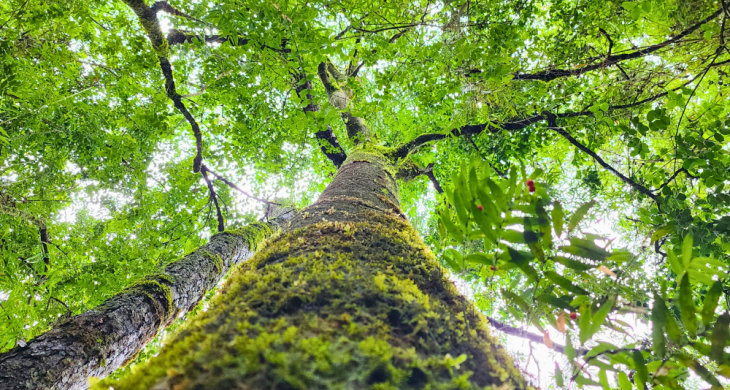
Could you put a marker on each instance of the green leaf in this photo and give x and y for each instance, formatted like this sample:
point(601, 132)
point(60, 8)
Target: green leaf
point(473, 182)
point(569, 350)
point(479, 258)
point(484, 225)
point(700, 370)
point(603, 380)
point(579, 215)
point(658, 318)
point(552, 300)
point(490, 209)
point(522, 259)
point(544, 225)
point(461, 208)
point(455, 232)
point(600, 317)
point(670, 324)
point(558, 376)
point(623, 379)
point(572, 264)
point(497, 194)
point(674, 262)
point(642, 375)
point(565, 283)
point(711, 298)
point(513, 236)
point(517, 300)
point(585, 248)
point(453, 259)
point(558, 218)
point(687, 250)
point(687, 306)
point(661, 232)
point(719, 338)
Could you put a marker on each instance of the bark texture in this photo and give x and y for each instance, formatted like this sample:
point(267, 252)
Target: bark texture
point(347, 297)
point(101, 340)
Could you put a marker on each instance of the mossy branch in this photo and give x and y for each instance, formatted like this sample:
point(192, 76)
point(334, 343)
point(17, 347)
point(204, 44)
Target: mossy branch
point(329, 144)
point(341, 98)
point(115, 331)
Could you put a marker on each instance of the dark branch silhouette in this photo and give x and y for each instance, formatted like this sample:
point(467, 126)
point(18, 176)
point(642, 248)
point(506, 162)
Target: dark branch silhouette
point(148, 19)
point(326, 138)
point(638, 187)
point(235, 187)
point(610, 59)
point(214, 197)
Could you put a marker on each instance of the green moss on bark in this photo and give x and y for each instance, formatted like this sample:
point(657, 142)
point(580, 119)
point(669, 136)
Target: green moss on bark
point(334, 305)
point(254, 233)
point(155, 287)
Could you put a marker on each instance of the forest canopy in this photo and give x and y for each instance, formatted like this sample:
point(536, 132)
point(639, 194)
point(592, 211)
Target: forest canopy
point(566, 161)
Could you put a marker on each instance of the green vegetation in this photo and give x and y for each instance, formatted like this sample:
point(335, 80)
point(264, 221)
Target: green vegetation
point(131, 132)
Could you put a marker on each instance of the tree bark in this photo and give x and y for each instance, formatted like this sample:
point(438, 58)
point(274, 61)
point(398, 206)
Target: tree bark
point(347, 297)
point(97, 342)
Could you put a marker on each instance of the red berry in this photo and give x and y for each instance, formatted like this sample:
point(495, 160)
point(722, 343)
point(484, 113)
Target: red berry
point(96, 79)
point(530, 185)
point(480, 207)
point(573, 315)
point(493, 268)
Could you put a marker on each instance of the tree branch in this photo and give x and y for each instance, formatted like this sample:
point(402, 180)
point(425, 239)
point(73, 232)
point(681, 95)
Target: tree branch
point(510, 330)
point(235, 187)
point(357, 130)
point(9, 207)
point(326, 138)
point(474, 144)
point(168, 8)
point(434, 180)
point(610, 60)
point(213, 197)
point(674, 176)
point(553, 126)
point(151, 25)
point(411, 146)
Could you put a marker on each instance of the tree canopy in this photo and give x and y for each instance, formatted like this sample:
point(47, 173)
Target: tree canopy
point(131, 131)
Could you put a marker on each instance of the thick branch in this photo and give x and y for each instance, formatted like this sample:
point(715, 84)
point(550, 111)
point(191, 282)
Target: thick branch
point(434, 181)
point(405, 149)
point(148, 18)
point(610, 60)
point(357, 130)
point(326, 138)
point(97, 342)
point(411, 146)
point(409, 170)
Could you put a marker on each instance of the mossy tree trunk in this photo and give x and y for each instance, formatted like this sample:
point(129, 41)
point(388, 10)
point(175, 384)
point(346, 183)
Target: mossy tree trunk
point(347, 297)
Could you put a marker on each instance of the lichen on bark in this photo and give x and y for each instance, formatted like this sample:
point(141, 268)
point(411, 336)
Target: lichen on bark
point(347, 297)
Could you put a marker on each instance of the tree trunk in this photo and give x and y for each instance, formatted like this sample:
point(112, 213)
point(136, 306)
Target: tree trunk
point(347, 297)
point(97, 342)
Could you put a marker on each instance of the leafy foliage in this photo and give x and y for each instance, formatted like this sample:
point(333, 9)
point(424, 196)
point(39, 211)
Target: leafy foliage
point(576, 282)
point(616, 110)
